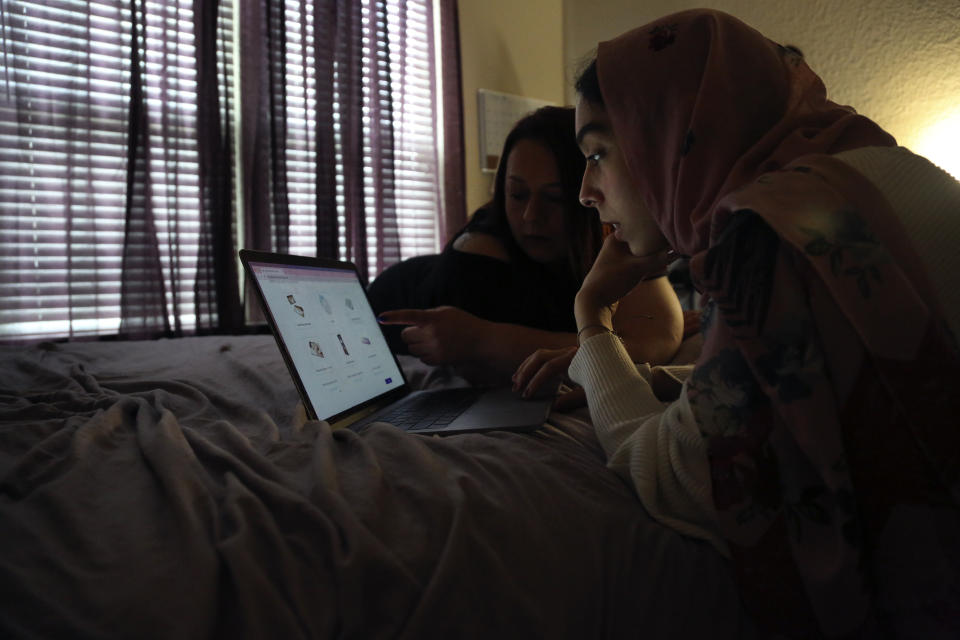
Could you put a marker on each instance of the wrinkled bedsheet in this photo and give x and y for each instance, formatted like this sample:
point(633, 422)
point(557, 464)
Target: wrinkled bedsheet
point(174, 489)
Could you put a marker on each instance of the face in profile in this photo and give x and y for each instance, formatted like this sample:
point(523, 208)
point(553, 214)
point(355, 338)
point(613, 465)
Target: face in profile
point(607, 184)
point(534, 202)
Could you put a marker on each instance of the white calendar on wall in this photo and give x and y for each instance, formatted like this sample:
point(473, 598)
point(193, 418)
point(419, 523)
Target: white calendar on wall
point(497, 113)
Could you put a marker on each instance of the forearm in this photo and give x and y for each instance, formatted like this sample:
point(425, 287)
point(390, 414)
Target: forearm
point(618, 392)
point(655, 350)
point(649, 320)
point(656, 447)
point(501, 347)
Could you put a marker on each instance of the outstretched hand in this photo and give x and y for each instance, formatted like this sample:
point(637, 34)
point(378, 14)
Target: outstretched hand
point(439, 336)
point(549, 366)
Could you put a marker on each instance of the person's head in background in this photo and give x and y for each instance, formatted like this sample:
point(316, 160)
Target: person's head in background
point(536, 193)
point(675, 115)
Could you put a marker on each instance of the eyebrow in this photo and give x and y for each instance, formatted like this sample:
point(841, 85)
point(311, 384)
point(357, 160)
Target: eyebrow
point(590, 127)
point(557, 184)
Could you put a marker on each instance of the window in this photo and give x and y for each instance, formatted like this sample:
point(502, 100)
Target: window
point(77, 245)
point(409, 96)
point(64, 139)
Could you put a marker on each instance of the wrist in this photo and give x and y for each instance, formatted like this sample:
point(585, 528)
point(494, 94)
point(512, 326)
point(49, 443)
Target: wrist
point(481, 339)
point(590, 330)
point(587, 313)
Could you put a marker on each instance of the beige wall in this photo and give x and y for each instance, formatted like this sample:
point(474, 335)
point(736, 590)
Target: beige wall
point(511, 46)
point(895, 61)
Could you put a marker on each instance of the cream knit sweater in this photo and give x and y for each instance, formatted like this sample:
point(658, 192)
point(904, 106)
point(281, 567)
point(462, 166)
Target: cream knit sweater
point(659, 447)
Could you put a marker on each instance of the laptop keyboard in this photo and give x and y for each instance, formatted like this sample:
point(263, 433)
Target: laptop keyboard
point(432, 411)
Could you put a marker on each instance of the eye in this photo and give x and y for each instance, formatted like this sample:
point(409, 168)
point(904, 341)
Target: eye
point(517, 195)
point(594, 158)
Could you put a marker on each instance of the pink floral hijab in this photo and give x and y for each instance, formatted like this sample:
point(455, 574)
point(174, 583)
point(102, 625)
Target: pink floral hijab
point(828, 389)
point(717, 104)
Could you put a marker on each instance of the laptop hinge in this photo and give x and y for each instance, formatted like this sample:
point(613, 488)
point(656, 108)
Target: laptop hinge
point(354, 417)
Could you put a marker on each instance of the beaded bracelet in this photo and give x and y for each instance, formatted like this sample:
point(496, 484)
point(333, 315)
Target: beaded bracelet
point(593, 326)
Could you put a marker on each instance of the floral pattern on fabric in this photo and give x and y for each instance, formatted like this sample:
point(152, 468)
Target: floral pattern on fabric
point(852, 249)
point(724, 394)
point(724, 384)
point(815, 293)
point(802, 516)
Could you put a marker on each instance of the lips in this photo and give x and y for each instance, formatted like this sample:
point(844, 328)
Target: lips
point(610, 228)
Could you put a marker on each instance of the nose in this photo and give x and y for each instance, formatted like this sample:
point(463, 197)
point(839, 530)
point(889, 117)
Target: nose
point(590, 195)
point(532, 211)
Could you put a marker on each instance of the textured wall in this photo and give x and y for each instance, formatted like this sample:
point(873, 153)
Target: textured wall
point(512, 46)
point(895, 61)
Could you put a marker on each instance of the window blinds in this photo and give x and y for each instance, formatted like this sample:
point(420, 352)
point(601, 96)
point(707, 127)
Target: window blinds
point(64, 104)
point(408, 27)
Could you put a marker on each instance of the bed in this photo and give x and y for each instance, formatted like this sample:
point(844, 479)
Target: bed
point(175, 489)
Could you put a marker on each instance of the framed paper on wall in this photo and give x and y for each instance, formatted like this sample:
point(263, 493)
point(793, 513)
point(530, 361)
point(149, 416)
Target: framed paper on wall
point(497, 113)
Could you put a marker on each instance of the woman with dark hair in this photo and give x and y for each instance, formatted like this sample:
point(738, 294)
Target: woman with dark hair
point(504, 285)
point(550, 128)
point(815, 441)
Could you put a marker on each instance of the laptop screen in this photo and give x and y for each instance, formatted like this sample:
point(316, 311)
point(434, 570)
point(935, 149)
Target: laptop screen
point(330, 333)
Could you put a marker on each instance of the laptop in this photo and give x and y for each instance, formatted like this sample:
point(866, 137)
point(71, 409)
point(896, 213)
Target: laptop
point(342, 366)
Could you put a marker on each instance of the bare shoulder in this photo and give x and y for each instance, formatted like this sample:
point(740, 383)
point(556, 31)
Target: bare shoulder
point(650, 317)
point(482, 244)
point(654, 298)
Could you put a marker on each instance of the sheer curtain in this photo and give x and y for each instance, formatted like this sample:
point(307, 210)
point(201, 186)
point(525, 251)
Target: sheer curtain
point(454, 213)
point(349, 126)
point(98, 165)
point(162, 205)
point(216, 289)
point(119, 213)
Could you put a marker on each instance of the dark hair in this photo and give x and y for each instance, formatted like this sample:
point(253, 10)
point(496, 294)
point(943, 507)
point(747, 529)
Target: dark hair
point(553, 127)
point(587, 84)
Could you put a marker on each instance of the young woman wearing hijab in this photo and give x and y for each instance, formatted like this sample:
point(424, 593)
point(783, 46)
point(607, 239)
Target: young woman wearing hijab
point(815, 442)
point(504, 285)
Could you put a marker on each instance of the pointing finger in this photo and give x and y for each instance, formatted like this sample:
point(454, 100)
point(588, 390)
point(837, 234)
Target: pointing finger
point(402, 316)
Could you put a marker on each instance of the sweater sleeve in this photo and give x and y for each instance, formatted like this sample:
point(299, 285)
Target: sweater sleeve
point(656, 447)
